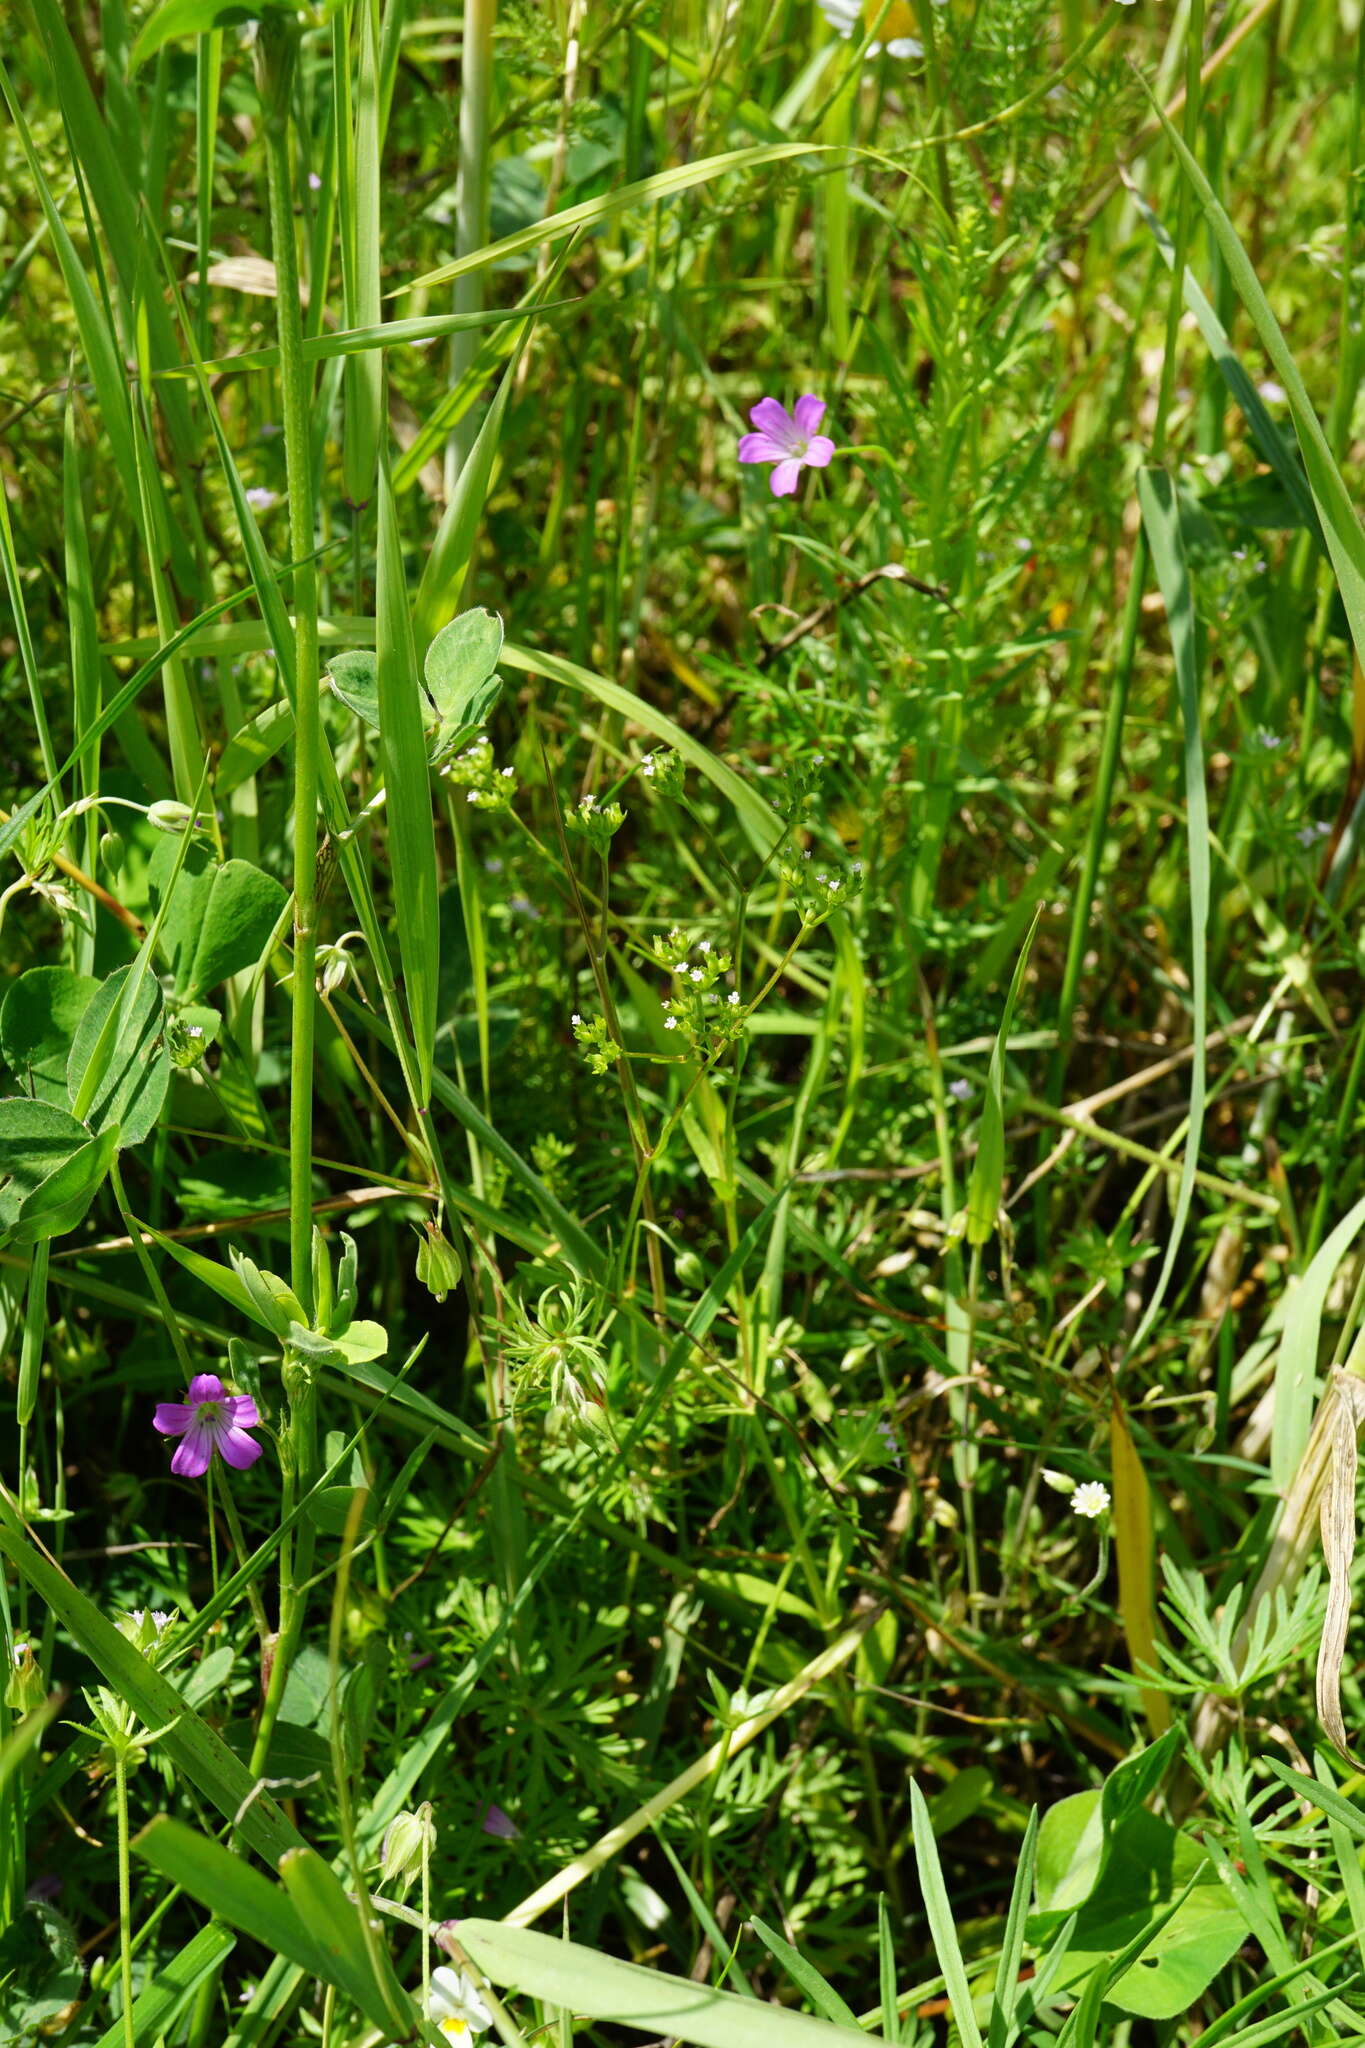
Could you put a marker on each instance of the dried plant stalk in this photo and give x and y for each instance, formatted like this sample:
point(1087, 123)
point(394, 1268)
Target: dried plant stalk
point(1320, 1501)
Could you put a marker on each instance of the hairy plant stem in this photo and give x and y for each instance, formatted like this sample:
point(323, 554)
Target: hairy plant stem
point(125, 1896)
point(298, 1458)
point(275, 51)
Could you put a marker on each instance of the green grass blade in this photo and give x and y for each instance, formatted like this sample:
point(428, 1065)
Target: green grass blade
point(403, 746)
point(591, 213)
point(580, 1979)
point(1161, 521)
point(987, 1183)
point(1340, 525)
point(942, 1930)
point(156, 2009)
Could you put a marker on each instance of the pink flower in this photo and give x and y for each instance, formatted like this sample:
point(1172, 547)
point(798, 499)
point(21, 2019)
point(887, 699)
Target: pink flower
point(791, 443)
point(494, 1821)
point(209, 1420)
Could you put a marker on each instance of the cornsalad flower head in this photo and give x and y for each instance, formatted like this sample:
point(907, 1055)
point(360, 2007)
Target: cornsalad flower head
point(664, 772)
point(788, 440)
point(597, 823)
point(486, 786)
point(456, 2006)
point(599, 1048)
point(700, 1007)
point(819, 888)
point(209, 1419)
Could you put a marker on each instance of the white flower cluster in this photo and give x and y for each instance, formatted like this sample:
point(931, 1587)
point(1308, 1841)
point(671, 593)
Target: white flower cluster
point(486, 787)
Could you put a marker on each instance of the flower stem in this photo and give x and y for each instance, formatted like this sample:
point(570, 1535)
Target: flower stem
point(125, 1896)
point(275, 48)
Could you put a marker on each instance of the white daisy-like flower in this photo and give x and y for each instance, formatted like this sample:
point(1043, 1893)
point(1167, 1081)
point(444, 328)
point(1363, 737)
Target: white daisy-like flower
point(456, 2007)
point(1091, 1499)
point(849, 18)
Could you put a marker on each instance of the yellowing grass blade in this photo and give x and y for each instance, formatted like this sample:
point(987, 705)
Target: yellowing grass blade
point(1133, 1550)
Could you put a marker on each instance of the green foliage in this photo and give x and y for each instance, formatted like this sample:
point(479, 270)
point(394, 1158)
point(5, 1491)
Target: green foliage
point(753, 1092)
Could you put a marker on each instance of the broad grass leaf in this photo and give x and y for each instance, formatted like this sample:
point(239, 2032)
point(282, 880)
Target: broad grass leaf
point(579, 1979)
point(233, 1889)
point(159, 2004)
point(121, 1075)
point(357, 1965)
point(942, 1924)
point(443, 577)
point(1134, 1550)
point(252, 746)
point(804, 1976)
point(177, 20)
point(38, 1021)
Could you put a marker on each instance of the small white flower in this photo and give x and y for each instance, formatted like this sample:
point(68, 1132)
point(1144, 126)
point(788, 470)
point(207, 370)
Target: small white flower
point(703, 945)
point(259, 498)
point(670, 1023)
point(456, 2007)
point(696, 974)
point(733, 997)
point(1091, 1499)
point(576, 1019)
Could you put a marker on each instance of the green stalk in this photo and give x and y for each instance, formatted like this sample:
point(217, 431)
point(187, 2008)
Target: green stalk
point(471, 210)
point(125, 1896)
point(275, 53)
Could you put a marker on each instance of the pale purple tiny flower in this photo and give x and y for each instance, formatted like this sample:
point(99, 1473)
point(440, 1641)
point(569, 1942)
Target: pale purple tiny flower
point(788, 440)
point(209, 1420)
point(494, 1821)
point(314, 182)
point(260, 498)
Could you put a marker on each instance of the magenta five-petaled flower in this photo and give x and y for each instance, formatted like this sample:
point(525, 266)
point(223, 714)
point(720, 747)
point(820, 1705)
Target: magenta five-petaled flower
point(790, 442)
point(209, 1420)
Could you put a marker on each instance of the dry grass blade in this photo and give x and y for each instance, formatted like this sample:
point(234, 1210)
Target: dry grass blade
point(1339, 1548)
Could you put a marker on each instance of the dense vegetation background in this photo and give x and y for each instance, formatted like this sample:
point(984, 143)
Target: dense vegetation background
point(718, 1125)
